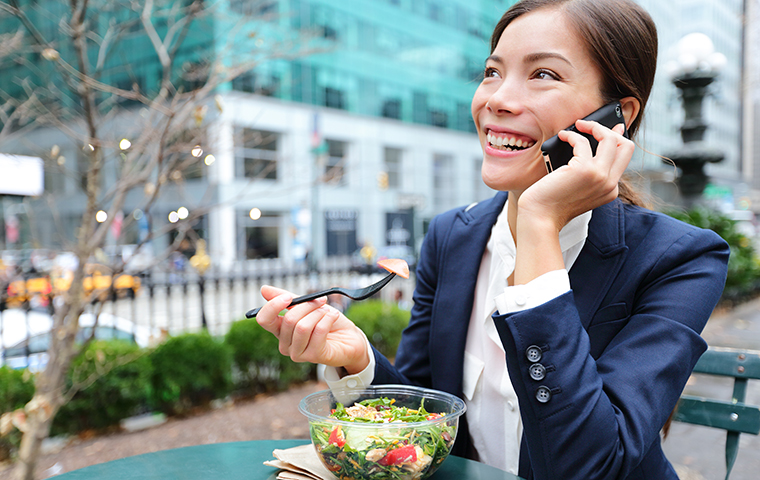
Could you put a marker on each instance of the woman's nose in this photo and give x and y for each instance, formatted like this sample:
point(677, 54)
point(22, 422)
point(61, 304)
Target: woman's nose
point(506, 99)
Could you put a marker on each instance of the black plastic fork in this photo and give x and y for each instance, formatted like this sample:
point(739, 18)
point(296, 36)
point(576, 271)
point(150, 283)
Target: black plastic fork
point(352, 293)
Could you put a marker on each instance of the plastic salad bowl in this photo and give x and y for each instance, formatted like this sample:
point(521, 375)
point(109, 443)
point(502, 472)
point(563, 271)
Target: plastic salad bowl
point(382, 432)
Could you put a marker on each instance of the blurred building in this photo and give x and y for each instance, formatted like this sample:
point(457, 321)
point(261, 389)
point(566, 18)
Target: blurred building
point(751, 103)
point(363, 141)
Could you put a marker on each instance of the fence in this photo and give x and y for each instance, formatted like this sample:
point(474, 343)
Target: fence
point(171, 303)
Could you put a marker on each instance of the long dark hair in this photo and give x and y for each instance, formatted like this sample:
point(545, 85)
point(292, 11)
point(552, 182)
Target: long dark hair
point(621, 38)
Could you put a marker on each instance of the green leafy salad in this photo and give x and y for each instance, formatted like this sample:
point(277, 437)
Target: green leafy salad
point(363, 452)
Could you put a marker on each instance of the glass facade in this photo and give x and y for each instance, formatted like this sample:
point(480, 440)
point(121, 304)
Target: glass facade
point(416, 61)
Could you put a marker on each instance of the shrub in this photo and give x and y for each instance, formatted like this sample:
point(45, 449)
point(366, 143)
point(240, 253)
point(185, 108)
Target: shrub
point(743, 277)
point(190, 370)
point(116, 379)
point(259, 364)
point(16, 389)
point(382, 322)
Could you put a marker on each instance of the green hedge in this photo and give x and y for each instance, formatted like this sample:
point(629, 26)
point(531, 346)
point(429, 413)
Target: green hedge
point(190, 370)
point(259, 366)
point(382, 322)
point(121, 389)
point(16, 389)
point(743, 280)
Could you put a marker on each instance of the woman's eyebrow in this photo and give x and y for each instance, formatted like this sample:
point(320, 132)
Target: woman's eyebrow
point(535, 57)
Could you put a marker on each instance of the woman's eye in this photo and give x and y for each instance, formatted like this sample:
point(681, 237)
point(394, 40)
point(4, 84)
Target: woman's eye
point(490, 72)
point(543, 74)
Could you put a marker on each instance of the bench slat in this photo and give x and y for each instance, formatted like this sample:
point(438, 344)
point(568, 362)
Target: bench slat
point(733, 417)
point(729, 362)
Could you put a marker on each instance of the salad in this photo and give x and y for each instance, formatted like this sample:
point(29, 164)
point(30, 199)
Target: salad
point(404, 453)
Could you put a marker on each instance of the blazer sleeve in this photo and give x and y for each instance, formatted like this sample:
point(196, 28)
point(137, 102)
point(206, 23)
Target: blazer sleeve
point(412, 356)
point(596, 416)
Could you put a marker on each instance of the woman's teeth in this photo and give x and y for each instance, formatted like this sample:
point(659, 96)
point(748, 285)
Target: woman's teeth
point(508, 143)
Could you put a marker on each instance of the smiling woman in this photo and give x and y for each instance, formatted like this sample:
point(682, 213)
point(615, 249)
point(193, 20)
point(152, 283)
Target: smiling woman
point(567, 317)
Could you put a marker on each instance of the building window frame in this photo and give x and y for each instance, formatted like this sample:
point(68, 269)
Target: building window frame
point(257, 153)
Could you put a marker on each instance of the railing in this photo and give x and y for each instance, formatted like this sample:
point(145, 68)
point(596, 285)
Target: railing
point(171, 303)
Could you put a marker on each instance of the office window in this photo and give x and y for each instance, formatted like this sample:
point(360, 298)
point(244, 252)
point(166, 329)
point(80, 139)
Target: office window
point(391, 109)
point(335, 164)
point(256, 153)
point(482, 191)
point(186, 246)
point(334, 98)
point(249, 82)
point(439, 118)
point(193, 76)
point(254, 8)
point(444, 183)
point(245, 82)
point(185, 152)
point(392, 160)
point(84, 160)
point(54, 178)
point(464, 118)
point(258, 238)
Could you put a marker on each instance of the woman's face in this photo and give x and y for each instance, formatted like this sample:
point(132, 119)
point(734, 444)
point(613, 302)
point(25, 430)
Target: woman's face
point(538, 81)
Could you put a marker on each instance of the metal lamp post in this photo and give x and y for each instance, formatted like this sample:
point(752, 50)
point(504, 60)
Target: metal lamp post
point(696, 66)
point(201, 261)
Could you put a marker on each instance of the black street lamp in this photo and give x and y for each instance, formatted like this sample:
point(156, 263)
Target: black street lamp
point(696, 67)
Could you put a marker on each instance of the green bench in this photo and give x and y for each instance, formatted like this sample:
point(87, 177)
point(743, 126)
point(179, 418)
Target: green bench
point(735, 416)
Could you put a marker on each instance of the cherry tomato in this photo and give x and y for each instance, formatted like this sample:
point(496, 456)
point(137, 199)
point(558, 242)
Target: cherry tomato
point(337, 437)
point(407, 454)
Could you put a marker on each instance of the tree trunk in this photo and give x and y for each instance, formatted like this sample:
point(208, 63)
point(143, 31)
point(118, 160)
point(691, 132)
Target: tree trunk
point(37, 429)
point(49, 385)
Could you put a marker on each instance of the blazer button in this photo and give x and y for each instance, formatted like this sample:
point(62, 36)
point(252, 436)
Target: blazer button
point(543, 394)
point(537, 372)
point(533, 353)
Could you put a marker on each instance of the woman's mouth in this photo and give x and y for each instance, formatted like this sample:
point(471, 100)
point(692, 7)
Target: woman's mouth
point(508, 142)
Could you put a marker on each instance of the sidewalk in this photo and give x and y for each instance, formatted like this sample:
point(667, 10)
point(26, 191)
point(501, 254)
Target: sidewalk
point(698, 452)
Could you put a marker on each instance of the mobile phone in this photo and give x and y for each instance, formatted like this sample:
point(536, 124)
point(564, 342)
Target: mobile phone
point(557, 153)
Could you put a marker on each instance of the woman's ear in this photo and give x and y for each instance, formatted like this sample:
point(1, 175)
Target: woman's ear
point(631, 107)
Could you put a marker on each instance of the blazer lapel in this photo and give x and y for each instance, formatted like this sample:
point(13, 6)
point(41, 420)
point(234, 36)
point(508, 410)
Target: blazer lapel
point(600, 260)
point(461, 257)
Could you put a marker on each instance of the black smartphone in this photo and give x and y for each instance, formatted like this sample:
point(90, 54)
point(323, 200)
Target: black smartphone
point(557, 153)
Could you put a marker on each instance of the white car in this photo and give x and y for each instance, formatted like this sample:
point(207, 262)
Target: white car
point(25, 336)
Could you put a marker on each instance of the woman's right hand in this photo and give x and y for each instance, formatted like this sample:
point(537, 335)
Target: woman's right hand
point(313, 331)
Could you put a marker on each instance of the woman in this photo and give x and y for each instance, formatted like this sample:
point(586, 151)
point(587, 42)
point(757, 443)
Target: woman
point(566, 317)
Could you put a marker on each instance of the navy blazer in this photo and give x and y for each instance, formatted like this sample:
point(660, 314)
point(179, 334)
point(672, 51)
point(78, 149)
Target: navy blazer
point(617, 350)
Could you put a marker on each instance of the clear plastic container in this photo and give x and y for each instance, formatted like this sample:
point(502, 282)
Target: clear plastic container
point(364, 450)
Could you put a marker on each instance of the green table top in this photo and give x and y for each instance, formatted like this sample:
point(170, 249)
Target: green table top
point(240, 461)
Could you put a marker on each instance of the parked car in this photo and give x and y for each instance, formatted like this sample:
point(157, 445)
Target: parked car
point(28, 335)
point(40, 288)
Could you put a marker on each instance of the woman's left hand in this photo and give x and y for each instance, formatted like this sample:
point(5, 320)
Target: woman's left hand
point(586, 182)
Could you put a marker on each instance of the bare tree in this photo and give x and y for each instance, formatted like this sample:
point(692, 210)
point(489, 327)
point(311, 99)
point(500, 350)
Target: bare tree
point(68, 56)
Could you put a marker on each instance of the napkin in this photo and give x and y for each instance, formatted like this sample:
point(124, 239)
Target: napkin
point(299, 463)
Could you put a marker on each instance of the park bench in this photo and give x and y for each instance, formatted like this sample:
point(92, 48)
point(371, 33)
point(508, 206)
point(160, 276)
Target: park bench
point(735, 416)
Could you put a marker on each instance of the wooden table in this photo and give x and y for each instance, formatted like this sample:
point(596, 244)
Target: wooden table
point(240, 461)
